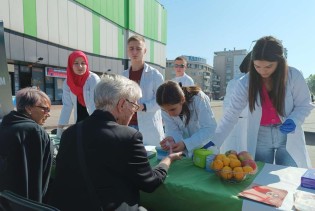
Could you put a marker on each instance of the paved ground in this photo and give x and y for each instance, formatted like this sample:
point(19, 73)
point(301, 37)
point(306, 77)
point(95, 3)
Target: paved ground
point(308, 126)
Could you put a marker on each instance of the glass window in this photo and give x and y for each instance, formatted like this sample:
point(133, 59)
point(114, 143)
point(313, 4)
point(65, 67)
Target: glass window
point(58, 88)
point(50, 87)
point(38, 78)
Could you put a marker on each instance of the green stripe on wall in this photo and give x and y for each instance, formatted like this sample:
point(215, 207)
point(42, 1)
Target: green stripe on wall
point(96, 34)
point(97, 6)
point(151, 19)
point(121, 40)
point(81, 1)
point(132, 15)
point(29, 17)
point(151, 51)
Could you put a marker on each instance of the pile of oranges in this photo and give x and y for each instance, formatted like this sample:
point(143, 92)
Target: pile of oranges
point(229, 167)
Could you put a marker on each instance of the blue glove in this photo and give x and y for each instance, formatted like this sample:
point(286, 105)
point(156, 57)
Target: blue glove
point(288, 126)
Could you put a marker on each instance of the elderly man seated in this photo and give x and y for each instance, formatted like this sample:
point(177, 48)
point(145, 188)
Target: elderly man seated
point(117, 166)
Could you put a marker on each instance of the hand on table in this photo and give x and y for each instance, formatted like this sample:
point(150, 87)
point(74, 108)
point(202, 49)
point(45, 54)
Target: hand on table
point(175, 156)
point(167, 142)
point(178, 147)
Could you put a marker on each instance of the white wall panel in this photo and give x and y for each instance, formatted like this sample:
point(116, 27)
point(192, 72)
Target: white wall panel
point(114, 40)
point(81, 28)
point(148, 46)
point(103, 36)
point(72, 25)
point(156, 53)
point(16, 15)
point(139, 19)
point(42, 19)
point(63, 22)
point(5, 13)
point(88, 31)
point(109, 38)
point(53, 17)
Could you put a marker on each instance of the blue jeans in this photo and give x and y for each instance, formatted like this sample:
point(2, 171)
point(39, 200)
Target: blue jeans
point(271, 147)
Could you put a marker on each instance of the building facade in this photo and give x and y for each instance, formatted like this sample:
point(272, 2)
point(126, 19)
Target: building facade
point(40, 34)
point(226, 64)
point(202, 74)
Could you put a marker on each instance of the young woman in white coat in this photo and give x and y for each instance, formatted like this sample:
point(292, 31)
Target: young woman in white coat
point(78, 90)
point(279, 101)
point(187, 115)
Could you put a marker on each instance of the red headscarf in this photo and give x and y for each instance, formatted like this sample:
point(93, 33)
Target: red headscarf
point(74, 81)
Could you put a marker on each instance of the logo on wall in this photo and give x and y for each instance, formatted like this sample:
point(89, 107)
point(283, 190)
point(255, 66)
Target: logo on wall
point(57, 73)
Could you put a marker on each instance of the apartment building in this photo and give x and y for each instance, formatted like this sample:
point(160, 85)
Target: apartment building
point(226, 64)
point(202, 74)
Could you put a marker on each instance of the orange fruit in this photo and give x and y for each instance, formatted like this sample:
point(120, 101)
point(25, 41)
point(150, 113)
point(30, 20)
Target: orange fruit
point(220, 157)
point(226, 161)
point(232, 156)
point(235, 163)
point(247, 169)
point(238, 173)
point(217, 165)
point(226, 173)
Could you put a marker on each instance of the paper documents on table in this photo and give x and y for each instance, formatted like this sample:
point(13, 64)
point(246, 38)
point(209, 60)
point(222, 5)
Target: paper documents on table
point(304, 201)
point(264, 194)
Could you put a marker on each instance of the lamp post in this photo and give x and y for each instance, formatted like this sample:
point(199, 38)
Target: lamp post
point(251, 45)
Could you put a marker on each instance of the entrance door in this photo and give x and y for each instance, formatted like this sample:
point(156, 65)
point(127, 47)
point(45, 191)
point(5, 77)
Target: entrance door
point(25, 77)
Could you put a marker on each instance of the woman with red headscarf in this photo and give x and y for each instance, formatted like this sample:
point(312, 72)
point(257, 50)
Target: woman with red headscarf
point(78, 90)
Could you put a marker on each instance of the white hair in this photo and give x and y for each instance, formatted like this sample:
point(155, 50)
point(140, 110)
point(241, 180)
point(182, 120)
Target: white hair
point(112, 88)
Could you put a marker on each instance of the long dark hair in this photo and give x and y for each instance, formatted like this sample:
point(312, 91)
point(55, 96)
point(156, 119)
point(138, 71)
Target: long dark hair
point(268, 49)
point(170, 93)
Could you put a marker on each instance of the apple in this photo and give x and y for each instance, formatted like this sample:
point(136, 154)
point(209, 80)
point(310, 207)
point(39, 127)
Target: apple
point(227, 153)
point(244, 155)
point(250, 163)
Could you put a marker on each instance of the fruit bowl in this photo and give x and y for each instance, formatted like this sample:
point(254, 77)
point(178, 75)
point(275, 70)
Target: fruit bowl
point(234, 176)
point(234, 167)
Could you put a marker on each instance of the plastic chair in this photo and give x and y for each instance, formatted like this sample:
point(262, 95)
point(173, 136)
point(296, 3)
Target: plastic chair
point(10, 201)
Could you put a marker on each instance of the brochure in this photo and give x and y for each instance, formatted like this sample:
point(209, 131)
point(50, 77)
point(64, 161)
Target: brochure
point(264, 194)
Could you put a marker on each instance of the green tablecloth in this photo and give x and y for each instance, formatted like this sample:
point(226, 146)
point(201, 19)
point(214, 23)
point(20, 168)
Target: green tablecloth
point(188, 187)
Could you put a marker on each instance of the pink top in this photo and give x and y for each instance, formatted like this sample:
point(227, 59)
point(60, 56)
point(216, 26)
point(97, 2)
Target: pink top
point(269, 114)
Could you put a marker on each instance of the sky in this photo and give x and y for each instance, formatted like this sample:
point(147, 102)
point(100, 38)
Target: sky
point(201, 27)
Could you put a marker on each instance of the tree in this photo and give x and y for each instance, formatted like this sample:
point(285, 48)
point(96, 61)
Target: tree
point(311, 83)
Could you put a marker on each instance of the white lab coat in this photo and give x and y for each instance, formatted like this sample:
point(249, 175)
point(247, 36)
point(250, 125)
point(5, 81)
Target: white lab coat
point(186, 80)
point(297, 107)
point(201, 126)
point(69, 100)
point(237, 140)
point(150, 121)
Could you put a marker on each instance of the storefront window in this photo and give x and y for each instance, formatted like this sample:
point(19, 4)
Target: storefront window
point(50, 87)
point(58, 88)
point(38, 78)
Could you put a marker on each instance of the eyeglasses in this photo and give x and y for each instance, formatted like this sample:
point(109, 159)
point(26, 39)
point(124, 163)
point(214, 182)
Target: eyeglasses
point(46, 109)
point(135, 106)
point(179, 65)
point(79, 64)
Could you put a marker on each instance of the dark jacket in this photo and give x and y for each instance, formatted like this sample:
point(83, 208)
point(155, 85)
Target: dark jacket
point(116, 162)
point(25, 156)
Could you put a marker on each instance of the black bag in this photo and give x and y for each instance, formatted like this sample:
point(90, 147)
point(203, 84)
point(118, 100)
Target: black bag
point(10, 201)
